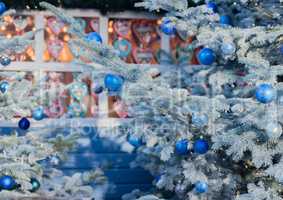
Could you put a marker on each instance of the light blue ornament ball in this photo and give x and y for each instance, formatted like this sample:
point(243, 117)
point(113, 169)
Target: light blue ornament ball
point(113, 83)
point(273, 130)
point(212, 6)
point(201, 187)
point(94, 36)
point(265, 93)
point(38, 114)
point(3, 7)
point(199, 120)
point(4, 86)
point(225, 20)
point(135, 141)
point(182, 147)
point(206, 56)
point(228, 48)
point(168, 27)
point(7, 182)
point(5, 61)
point(201, 146)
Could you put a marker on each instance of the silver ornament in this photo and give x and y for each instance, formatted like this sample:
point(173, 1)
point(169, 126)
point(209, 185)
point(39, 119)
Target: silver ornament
point(55, 160)
point(273, 130)
point(228, 48)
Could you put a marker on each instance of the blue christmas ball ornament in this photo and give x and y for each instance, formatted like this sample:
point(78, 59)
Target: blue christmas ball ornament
point(35, 184)
point(206, 56)
point(4, 86)
point(24, 124)
point(38, 114)
point(113, 83)
point(7, 182)
point(201, 146)
point(265, 93)
point(212, 6)
point(182, 147)
point(168, 27)
point(225, 20)
point(2, 7)
point(94, 36)
point(201, 187)
point(135, 141)
point(5, 61)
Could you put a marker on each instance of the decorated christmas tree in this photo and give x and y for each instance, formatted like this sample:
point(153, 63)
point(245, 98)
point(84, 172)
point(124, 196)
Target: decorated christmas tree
point(30, 154)
point(210, 131)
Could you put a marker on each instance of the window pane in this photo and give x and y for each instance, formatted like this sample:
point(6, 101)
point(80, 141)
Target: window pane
point(180, 50)
point(15, 26)
point(56, 38)
point(138, 40)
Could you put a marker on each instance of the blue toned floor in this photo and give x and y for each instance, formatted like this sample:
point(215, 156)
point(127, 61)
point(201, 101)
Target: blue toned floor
point(94, 151)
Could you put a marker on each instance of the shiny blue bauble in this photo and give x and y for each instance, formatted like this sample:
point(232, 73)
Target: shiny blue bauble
point(24, 124)
point(5, 61)
point(182, 147)
point(135, 141)
point(199, 120)
point(168, 27)
point(201, 187)
point(4, 86)
point(212, 6)
point(265, 93)
point(113, 83)
point(2, 7)
point(206, 56)
point(201, 146)
point(38, 114)
point(94, 36)
point(225, 20)
point(7, 183)
point(35, 184)
point(98, 89)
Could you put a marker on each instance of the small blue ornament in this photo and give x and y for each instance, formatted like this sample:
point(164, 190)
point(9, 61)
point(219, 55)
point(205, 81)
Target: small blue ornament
point(201, 146)
point(199, 120)
point(182, 147)
point(2, 7)
point(168, 27)
point(206, 56)
point(113, 83)
point(265, 93)
point(24, 124)
point(38, 114)
point(5, 61)
point(201, 187)
point(225, 20)
point(35, 184)
point(4, 86)
point(98, 89)
point(212, 6)
point(7, 182)
point(135, 141)
point(94, 36)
